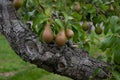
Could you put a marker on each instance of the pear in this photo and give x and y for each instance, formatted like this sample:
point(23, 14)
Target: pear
point(47, 34)
point(85, 26)
point(98, 30)
point(61, 38)
point(69, 33)
point(111, 8)
point(17, 3)
point(77, 7)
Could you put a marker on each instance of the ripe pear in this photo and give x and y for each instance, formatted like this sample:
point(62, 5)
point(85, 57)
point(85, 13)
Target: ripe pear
point(77, 7)
point(47, 34)
point(85, 26)
point(17, 3)
point(61, 38)
point(69, 33)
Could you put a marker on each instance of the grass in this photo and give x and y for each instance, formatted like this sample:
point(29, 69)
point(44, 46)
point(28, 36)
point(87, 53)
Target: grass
point(12, 67)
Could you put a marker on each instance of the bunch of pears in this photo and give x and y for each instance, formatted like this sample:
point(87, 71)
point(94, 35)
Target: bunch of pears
point(85, 27)
point(60, 38)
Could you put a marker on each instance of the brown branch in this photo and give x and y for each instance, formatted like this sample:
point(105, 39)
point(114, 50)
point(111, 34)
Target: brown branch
point(67, 60)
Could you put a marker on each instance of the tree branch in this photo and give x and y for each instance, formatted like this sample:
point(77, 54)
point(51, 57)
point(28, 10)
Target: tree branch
point(67, 60)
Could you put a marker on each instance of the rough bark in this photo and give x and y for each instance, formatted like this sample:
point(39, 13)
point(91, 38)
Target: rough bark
point(66, 60)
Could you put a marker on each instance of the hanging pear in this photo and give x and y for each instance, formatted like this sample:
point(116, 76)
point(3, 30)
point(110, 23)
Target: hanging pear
point(61, 38)
point(17, 3)
point(69, 33)
point(77, 6)
point(85, 26)
point(47, 34)
point(111, 8)
point(98, 30)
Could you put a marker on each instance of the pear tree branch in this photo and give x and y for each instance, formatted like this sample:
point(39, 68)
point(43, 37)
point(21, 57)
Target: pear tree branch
point(66, 60)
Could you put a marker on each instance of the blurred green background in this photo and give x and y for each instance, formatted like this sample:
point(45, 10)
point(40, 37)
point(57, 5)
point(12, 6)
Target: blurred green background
point(12, 67)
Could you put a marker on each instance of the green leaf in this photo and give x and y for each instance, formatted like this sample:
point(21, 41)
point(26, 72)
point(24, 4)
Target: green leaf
point(97, 71)
point(75, 37)
point(113, 23)
point(106, 28)
point(31, 13)
point(26, 17)
point(90, 8)
point(77, 16)
point(40, 28)
point(114, 19)
point(116, 75)
point(43, 20)
point(48, 11)
point(39, 19)
point(116, 50)
point(108, 42)
point(112, 27)
point(118, 30)
point(76, 29)
point(59, 22)
point(105, 7)
point(67, 17)
point(117, 57)
point(108, 53)
point(98, 19)
point(86, 46)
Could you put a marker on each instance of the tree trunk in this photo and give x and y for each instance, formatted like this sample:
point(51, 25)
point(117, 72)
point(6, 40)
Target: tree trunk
point(66, 60)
